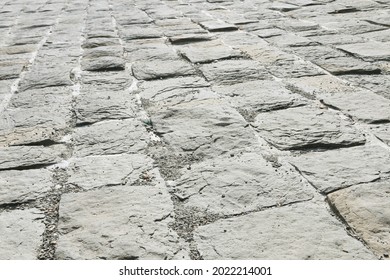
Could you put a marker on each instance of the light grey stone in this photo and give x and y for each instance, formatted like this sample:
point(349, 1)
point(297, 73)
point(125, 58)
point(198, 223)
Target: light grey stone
point(267, 55)
point(22, 186)
point(369, 50)
point(294, 69)
point(203, 52)
point(110, 170)
point(239, 184)
point(110, 137)
point(97, 104)
point(206, 128)
point(29, 156)
point(234, 71)
point(145, 31)
point(103, 63)
point(214, 26)
point(21, 232)
point(300, 231)
point(123, 223)
point(149, 70)
point(290, 40)
point(259, 96)
point(366, 208)
point(307, 127)
point(382, 131)
point(347, 65)
point(379, 84)
point(336, 169)
point(360, 104)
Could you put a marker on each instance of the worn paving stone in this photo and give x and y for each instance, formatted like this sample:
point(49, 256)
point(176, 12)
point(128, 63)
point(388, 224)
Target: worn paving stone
point(140, 216)
point(158, 90)
point(103, 63)
point(30, 156)
point(110, 137)
point(307, 127)
point(203, 52)
point(294, 69)
point(254, 97)
point(21, 232)
point(206, 128)
point(369, 50)
point(336, 169)
point(150, 70)
point(379, 84)
point(214, 26)
point(290, 232)
point(110, 170)
point(382, 131)
point(22, 186)
point(366, 209)
point(100, 103)
point(234, 71)
point(235, 184)
point(117, 80)
point(347, 65)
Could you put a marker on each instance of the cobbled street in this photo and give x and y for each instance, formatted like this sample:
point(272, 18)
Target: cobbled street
point(194, 129)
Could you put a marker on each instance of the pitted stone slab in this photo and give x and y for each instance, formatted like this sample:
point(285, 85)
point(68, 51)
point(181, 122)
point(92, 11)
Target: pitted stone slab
point(28, 156)
point(359, 104)
point(145, 31)
point(123, 223)
point(259, 96)
point(347, 65)
point(266, 54)
point(99, 103)
point(336, 169)
point(161, 89)
point(207, 128)
point(208, 51)
point(307, 127)
point(238, 184)
point(366, 208)
point(103, 63)
point(150, 70)
point(115, 80)
point(22, 186)
point(299, 231)
point(379, 84)
point(110, 170)
point(21, 232)
point(290, 40)
point(234, 71)
point(294, 69)
point(215, 26)
point(158, 54)
point(110, 137)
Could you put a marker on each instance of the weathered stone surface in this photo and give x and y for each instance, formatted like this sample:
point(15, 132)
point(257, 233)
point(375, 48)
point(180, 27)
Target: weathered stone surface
point(161, 89)
point(144, 31)
point(117, 80)
point(29, 156)
point(347, 65)
point(110, 170)
point(100, 42)
point(159, 54)
point(290, 232)
point(266, 54)
point(208, 51)
point(21, 186)
point(103, 63)
point(96, 104)
point(20, 232)
point(369, 50)
point(335, 169)
point(207, 128)
point(254, 97)
point(359, 104)
point(290, 40)
point(123, 223)
point(366, 209)
point(237, 184)
point(234, 71)
point(110, 137)
point(379, 84)
point(293, 69)
point(149, 70)
point(382, 131)
point(214, 26)
point(307, 127)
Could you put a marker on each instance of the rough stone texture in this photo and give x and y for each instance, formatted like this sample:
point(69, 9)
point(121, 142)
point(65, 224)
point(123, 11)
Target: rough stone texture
point(366, 209)
point(21, 186)
point(110, 137)
point(238, 183)
point(122, 223)
point(234, 71)
point(206, 128)
point(99, 171)
point(369, 50)
point(149, 70)
point(307, 127)
point(382, 131)
point(29, 156)
point(336, 169)
point(21, 232)
point(290, 232)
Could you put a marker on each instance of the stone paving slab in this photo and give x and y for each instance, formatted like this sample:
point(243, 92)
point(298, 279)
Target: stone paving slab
point(300, 231)
point(21, 232)
point(197, 119)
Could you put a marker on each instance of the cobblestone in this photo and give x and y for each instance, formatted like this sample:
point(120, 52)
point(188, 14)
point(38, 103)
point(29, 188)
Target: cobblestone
point(207, 129)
